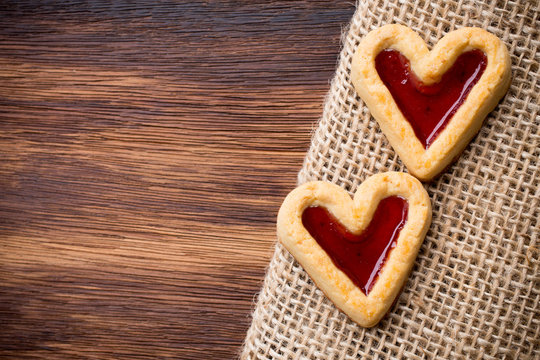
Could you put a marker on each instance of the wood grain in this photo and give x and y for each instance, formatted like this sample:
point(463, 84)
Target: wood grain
point(145, 149)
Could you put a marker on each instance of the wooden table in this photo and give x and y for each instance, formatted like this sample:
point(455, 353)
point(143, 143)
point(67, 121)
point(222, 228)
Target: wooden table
point(145, 150)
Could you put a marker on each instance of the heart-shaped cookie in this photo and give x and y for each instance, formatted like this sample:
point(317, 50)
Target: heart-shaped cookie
point(430, 104)
point(358, 251)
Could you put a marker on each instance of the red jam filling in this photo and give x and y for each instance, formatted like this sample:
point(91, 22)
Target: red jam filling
point(429, 108)
point(361, 257)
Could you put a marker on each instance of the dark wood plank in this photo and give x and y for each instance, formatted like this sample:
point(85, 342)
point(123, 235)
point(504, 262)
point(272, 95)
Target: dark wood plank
point(145, 150)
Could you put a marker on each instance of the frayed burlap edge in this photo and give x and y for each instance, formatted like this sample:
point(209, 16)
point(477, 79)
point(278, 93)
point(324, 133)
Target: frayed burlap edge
point(474, 291)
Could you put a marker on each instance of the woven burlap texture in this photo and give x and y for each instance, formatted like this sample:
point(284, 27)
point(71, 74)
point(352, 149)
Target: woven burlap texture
point(474, 291)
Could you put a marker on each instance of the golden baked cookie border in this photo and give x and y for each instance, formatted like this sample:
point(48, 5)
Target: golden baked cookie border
point(429, 67)
point(356, 214)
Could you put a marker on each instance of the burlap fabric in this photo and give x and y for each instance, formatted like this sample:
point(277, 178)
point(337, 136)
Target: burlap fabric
point(474, 290)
